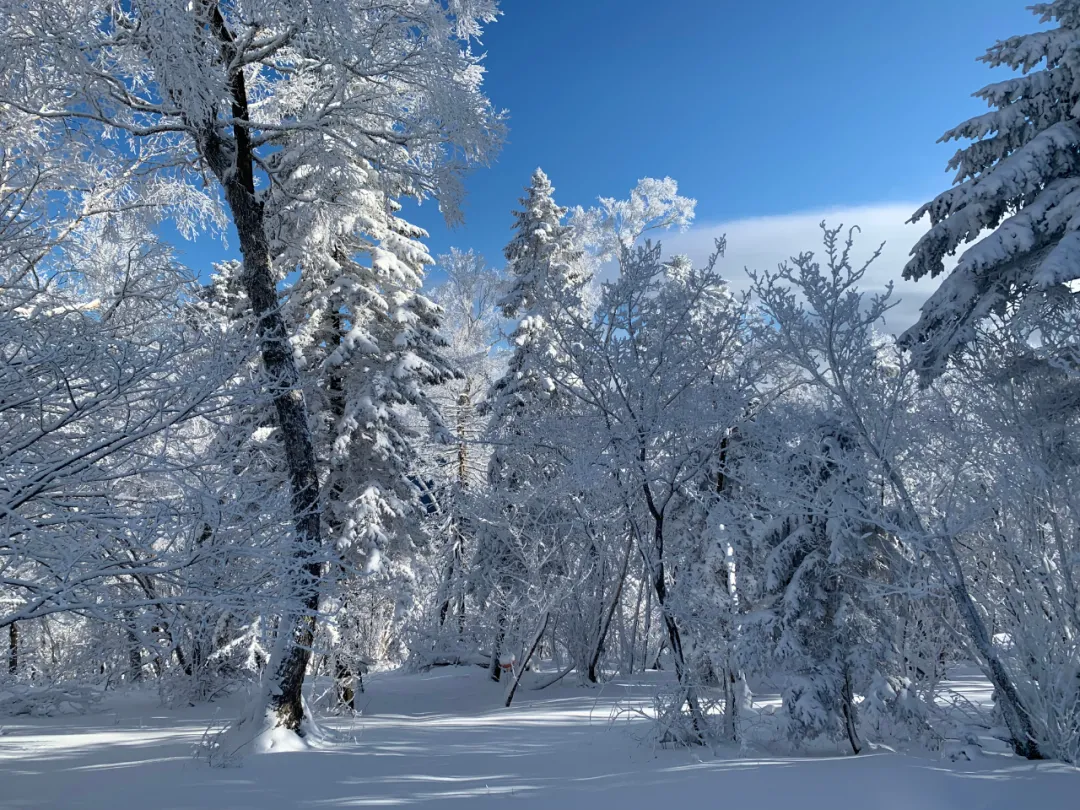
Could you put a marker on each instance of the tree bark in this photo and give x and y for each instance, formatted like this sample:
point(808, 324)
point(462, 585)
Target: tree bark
point(495, 668)
point(135, 663)
point(233, 165)
point(13, 648)
point(345, 683)
point(847, 698)
point(674, 637)
point(528, 656)
point(1016, 717)
point(647, 629)
point(733, 687)
point(598, 646)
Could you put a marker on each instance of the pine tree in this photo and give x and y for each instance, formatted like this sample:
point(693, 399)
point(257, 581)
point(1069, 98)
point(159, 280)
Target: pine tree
point(1020, 177)
point(371, 351)
point(547, 273)
point(546, 278)
point(823, 639)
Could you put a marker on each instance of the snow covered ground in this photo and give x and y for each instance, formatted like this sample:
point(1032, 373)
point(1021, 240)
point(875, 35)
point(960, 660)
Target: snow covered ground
point(437, 740)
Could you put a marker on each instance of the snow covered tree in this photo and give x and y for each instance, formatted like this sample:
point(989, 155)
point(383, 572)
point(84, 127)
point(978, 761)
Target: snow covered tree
point(471, 325)
point(110, 383)
point(616, 225)
point(370, 350)
point(1015, 495)
point(1019, 178)
point(545, 281)
point(829, 338)
point(658, 375)
point(545, 276)
point(816, 607)
point(327, 90)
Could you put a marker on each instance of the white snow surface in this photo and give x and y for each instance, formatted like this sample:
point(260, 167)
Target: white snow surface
point(441, 740)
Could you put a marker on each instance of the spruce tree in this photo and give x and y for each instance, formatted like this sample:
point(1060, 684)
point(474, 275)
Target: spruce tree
point(815, 611)
point(546, 274)
point(1020, 178)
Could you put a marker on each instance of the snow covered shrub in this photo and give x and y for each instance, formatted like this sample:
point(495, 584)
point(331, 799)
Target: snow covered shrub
point(48, 701)
point(893, 711)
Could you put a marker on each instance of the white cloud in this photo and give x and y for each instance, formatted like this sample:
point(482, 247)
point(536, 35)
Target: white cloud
point(763, 242)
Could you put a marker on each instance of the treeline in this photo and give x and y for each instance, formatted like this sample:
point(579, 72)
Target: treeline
point(598, 455)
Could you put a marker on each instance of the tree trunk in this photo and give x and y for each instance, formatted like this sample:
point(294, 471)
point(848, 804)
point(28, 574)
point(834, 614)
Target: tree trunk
point(454, 565)
point(528, 656)
point(605, 625)
point(647, 629)
point(635, 625)
point(134, 648)
point(495, 669)
point(847, 698)
point(295, 431)
point(1016, 717)
point(345, 683)
point(674, 637)
point(733, 695)
point(233, 165)
point(13, 648)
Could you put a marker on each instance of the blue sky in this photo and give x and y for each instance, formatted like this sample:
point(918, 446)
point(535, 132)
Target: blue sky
point(801, 107)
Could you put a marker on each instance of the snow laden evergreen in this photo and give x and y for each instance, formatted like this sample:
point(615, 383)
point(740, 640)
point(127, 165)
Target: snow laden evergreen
point(370, 351)
point(545, 276)
point(370, 347)
point(1018, 178)
point(815, 608)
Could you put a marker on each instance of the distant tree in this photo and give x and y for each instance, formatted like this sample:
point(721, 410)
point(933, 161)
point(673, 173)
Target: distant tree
point(545, 275)
point(545, 280)
point(458, 471)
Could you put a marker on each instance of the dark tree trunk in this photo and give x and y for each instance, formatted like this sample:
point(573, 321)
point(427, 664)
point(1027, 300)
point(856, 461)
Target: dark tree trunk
point(13, 648)
point(495, 668)
point(292, 417)
point(528, 657)
point(605, 622)
point(1015, 714)
point(674, 637)
point(847, 699)
point(233, 165)
point(135, 663)
point(346, 691)
point(1017, 719)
